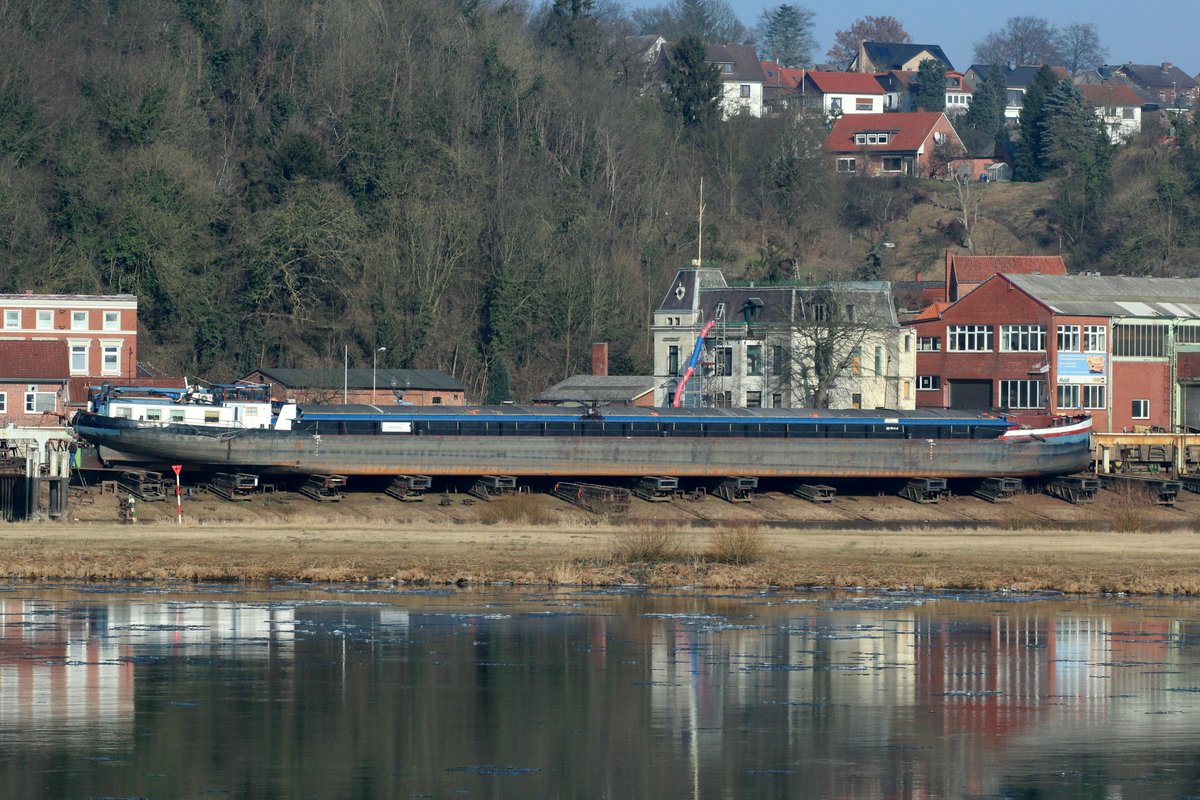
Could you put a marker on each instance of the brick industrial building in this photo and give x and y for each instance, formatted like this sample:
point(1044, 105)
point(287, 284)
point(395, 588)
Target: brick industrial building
point(1120, 349)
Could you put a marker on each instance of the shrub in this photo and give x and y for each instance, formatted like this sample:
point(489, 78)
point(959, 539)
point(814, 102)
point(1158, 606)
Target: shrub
point(515, 509)
point(646, 543)
point(741, 544)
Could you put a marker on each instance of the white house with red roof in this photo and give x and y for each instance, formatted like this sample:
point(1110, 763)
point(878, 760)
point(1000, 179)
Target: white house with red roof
point(1118, 107)
point(839, 93)
point(898, 86)
point(33, 384)
point(903, 143)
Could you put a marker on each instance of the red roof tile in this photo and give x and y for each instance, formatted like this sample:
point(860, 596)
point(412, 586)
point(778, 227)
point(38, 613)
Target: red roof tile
point(931, 312)
point(45, 361)
point(977, 269)
point(909, 130)
point(1109, 94)
point(845, 82)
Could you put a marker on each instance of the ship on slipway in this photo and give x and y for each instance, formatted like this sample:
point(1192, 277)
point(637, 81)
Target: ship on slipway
point(234, 433)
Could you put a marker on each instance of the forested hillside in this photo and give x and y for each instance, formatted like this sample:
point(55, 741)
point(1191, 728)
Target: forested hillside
point(473, 185)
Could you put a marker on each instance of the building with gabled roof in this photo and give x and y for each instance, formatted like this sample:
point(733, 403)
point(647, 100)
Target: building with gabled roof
point(838, 93)
point(34, 381)
point(742, 78)
point(886, 56)
point(1165, 84)
point(782, 345)
point(1118, 107)
point(602, 390)
point(1017, 79)
point(902, 143)
point(965, 272)
point(781, 84)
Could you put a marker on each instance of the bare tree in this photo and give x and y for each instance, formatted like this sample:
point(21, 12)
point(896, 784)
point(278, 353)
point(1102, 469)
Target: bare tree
point(867, 29)
point(1023, 40)
point(1080, 46)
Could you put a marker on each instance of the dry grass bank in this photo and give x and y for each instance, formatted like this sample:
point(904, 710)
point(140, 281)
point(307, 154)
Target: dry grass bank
point(1074, 561)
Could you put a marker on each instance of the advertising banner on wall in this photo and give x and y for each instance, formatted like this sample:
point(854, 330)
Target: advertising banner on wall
point(1083, 368)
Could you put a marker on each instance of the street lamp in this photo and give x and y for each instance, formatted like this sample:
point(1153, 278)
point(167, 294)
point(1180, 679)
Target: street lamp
point(374, 361)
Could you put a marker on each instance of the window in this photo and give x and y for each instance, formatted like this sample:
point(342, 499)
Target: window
point(939, 137)
point(1140, 340)
point(727, 68)
point(3, 402)
point(719, 311)
point(908, 344)
point(856, 361)
point(1141, 409)
point(777, 359)
point(45, 320)
point(850, 312)
point(176, 415)
point(863, 104)
point(111, 359)
point(79, 320)
point(724, 361)
point(969, 338)
point(79, 358)
point(907, 389)
point(112, 320)
point(893, 164)
point(835, 104)
point(673, 360)
point(754, 365)
point(12, 319)
point(1093, 397)
point(820, 312)
point(1127, 113)
point(1094, 339)
point(856, 400)
point(1022, 338)
point(860, 138)
point(1022, 394)
point(1110, 111)
point(153, 414)
point(878, 138)
point(847, 165)
point(744, 89)
point(1068, 396)
point(878, 360)
point(39, 402)
point(926, 383)
point(777, 400)
point(929, 344)
point(753, 399)
point(1068, 338)
point(212, 416)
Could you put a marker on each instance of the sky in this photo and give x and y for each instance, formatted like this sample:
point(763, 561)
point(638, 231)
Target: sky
point(1148, 32)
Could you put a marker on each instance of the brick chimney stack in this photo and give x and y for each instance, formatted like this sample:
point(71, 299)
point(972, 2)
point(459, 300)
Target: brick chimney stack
point(600, 358)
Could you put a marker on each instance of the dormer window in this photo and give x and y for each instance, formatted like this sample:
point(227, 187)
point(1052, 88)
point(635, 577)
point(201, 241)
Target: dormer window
point(727, 68)
point(878, 137)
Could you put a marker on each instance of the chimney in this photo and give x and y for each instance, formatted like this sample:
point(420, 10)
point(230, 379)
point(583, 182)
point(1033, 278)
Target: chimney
point(1167, 66)
point(600, 358)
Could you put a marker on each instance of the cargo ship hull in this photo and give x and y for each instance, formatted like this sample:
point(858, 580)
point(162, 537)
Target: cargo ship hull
point(267, 451)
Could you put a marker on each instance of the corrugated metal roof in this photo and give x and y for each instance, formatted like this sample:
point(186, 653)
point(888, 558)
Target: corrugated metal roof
point(433, 379)
point(1114, 295)
point(599, 388)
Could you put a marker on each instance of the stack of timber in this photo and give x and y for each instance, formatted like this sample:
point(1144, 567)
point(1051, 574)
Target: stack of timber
point(409, 488)
point(324, 488)
point(594, 497)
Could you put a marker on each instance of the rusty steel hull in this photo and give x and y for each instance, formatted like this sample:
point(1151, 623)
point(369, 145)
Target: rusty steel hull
point(293, 452)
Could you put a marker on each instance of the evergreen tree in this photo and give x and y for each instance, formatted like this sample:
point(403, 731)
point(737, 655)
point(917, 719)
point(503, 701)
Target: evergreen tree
point(571, 25)
point(930, 91)
point(1030, 158)
point(1076, 148)
point(786, 35)
point(983, 128)
point(693, 85)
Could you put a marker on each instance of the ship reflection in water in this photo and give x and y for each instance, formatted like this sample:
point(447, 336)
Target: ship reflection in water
point(299, 692)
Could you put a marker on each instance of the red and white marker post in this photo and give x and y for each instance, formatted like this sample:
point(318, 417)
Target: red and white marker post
point(178, 493)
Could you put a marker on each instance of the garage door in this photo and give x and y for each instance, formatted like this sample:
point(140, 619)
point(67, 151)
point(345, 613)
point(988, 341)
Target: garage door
point(970, 394)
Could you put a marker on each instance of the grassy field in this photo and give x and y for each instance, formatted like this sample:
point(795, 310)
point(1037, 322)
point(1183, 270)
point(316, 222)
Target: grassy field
point(601, 554)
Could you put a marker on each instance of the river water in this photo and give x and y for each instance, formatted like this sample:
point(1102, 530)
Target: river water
point(303, 692)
